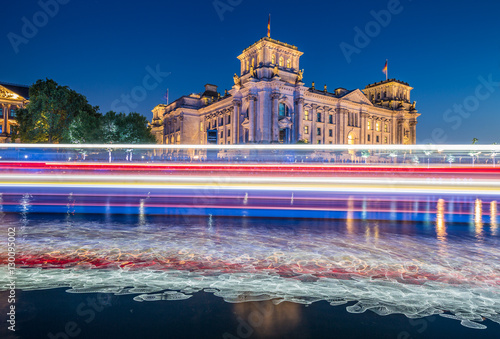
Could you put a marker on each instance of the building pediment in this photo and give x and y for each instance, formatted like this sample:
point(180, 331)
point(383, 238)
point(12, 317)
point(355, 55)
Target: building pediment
point(358, 97)
point(285, 123)
point(13, 92)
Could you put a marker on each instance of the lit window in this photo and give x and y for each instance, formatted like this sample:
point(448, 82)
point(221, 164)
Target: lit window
point(282, 61)
point(12, 113)
point(318, 117)
point(306, 129)
point(330, 119)
point(289, 63)
point(319, 141)
point(273, 59)
point(284, 112)
point(385, 140)
point(306, 115)
point(330, 133)
point(253, 62)
point(318, 130)
point(369, 125)
point(350, 139)
point(377, 127)
point(1, 112)
point(386, 128)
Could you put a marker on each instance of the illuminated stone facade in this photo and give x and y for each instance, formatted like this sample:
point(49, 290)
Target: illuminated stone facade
point(269, 103)
point(11, 98)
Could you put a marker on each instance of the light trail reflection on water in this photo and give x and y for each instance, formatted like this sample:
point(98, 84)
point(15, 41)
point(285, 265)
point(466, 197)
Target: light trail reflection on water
point(387, 267)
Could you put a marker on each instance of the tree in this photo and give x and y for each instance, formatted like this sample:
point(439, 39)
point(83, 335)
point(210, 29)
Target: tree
point(120, 128)
point(50, 113)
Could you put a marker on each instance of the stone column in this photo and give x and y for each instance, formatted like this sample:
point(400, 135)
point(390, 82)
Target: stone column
point(325, 124)
point(342, 126)
point(274, 116)
point(236, 122)
point(363, 131)
point(399, 136)
point(263, 133)
point(298, 123)
point(413, 132)
point(4, 124)
point(314, 110)
point(251, 118)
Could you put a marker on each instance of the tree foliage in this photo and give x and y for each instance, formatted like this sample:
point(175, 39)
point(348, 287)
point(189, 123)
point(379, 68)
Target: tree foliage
point(50, 112)
point(120, 128)
point(57, 114)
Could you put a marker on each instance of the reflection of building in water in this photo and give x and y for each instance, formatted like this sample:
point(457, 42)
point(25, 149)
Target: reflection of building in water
point(269, 103)
point(350, 215)
point(478, 216)
point(493, 217)
point(264, 319)
point(440, 221)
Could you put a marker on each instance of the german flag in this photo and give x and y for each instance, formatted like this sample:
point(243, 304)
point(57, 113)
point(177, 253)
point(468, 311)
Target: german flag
point(384, 70)
point(269, 27)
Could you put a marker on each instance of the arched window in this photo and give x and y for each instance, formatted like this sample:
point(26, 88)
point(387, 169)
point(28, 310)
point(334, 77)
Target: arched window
point(284, 112)
point(351, 139)
point(289, 63)
point(273, 59)
point(282, 61)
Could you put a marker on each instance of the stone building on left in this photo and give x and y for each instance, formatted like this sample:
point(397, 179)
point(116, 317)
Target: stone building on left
point(11, 97)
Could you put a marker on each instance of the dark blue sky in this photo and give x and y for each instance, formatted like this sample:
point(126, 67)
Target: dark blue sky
point(102, 49)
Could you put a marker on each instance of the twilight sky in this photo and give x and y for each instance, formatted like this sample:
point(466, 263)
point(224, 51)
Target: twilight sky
point(449, 51)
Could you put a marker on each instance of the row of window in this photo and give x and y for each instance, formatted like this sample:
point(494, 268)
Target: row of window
point(281, 62)
point(12, 113)
point(377, 126)
point(330, 134)
point(318, 117)
point(219, 122)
